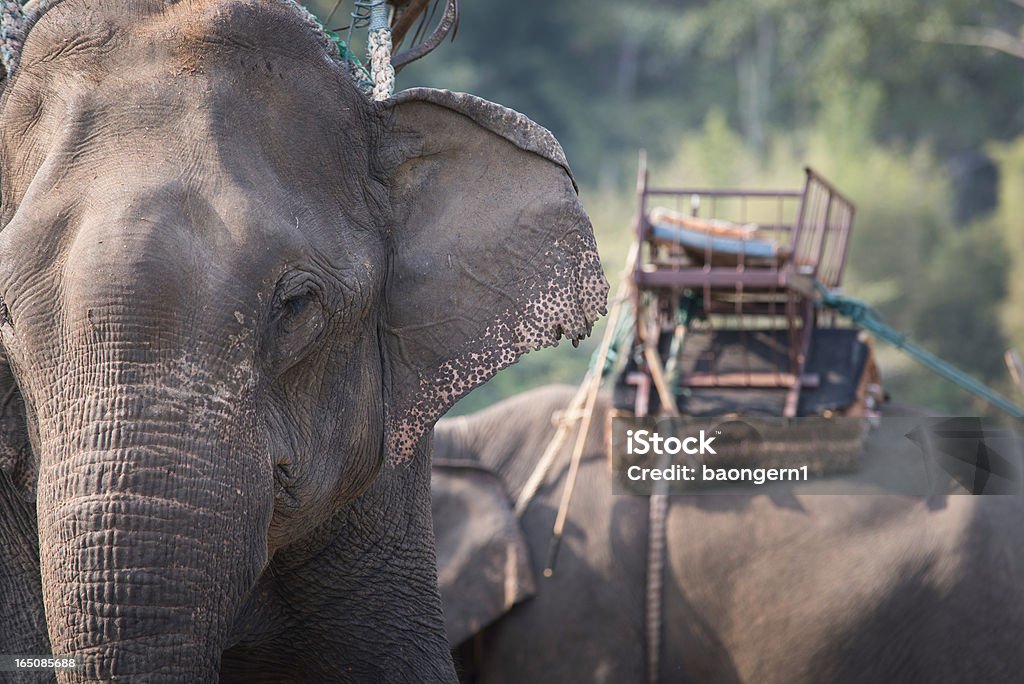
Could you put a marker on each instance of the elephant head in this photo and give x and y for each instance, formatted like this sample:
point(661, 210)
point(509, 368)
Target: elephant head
point(235, 295)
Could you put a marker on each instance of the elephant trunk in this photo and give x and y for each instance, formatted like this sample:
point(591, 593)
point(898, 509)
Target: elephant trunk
point(152, 527)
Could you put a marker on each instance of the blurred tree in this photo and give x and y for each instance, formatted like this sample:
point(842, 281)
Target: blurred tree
point(609, 76)
point(999, 29)
point(1010, 215)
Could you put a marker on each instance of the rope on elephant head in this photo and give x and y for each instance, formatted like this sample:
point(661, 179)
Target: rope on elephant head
point(13, 26)
point(373, 15)
point(16, 19)
point(339, 48)
point(380, 64)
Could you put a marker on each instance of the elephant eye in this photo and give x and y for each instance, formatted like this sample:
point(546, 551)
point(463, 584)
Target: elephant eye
point(298, 321)
point(293, 309)
point(300, 316)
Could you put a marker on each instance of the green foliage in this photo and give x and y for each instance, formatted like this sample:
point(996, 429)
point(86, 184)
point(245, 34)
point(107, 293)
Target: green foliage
point(608, 77)
point(958, 319)
point(1010, 217)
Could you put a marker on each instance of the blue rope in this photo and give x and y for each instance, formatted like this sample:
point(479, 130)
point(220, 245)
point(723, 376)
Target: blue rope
point(379, 17)
point(869, 319)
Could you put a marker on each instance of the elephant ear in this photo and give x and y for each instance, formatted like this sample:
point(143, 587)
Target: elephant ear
point(492, 253)
point(483, 562)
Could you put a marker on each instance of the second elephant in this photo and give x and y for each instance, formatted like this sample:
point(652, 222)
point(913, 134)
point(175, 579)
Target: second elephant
point(806, 589)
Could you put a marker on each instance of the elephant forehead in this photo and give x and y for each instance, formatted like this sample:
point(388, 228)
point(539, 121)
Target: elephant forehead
point(173, 80)
point(89, 34)
point(301, 127)
point(219, 127)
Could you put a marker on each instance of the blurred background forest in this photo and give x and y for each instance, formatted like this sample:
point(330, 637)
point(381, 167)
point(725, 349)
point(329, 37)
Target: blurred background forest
point(914, 109)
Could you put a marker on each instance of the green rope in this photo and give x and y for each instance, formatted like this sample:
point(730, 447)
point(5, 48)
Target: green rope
point(869, 319)
point(359, 72)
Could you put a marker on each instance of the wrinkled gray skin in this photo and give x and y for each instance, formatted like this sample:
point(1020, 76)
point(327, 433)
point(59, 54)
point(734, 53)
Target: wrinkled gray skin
point(236, 296)
point(758, 589)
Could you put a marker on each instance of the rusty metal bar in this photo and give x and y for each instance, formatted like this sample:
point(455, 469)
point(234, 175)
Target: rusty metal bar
point(798, 226)
point(811, 173)
point(793, 396)
point(763, 380)
point(822, 236)
point(794, 194)
point(739, 297)
point(844, 245)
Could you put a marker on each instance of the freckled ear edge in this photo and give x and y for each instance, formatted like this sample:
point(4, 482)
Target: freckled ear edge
point(493, 255)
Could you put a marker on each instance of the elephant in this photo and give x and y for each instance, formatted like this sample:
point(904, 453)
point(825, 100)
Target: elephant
point(235, 296)
point(758, 588)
